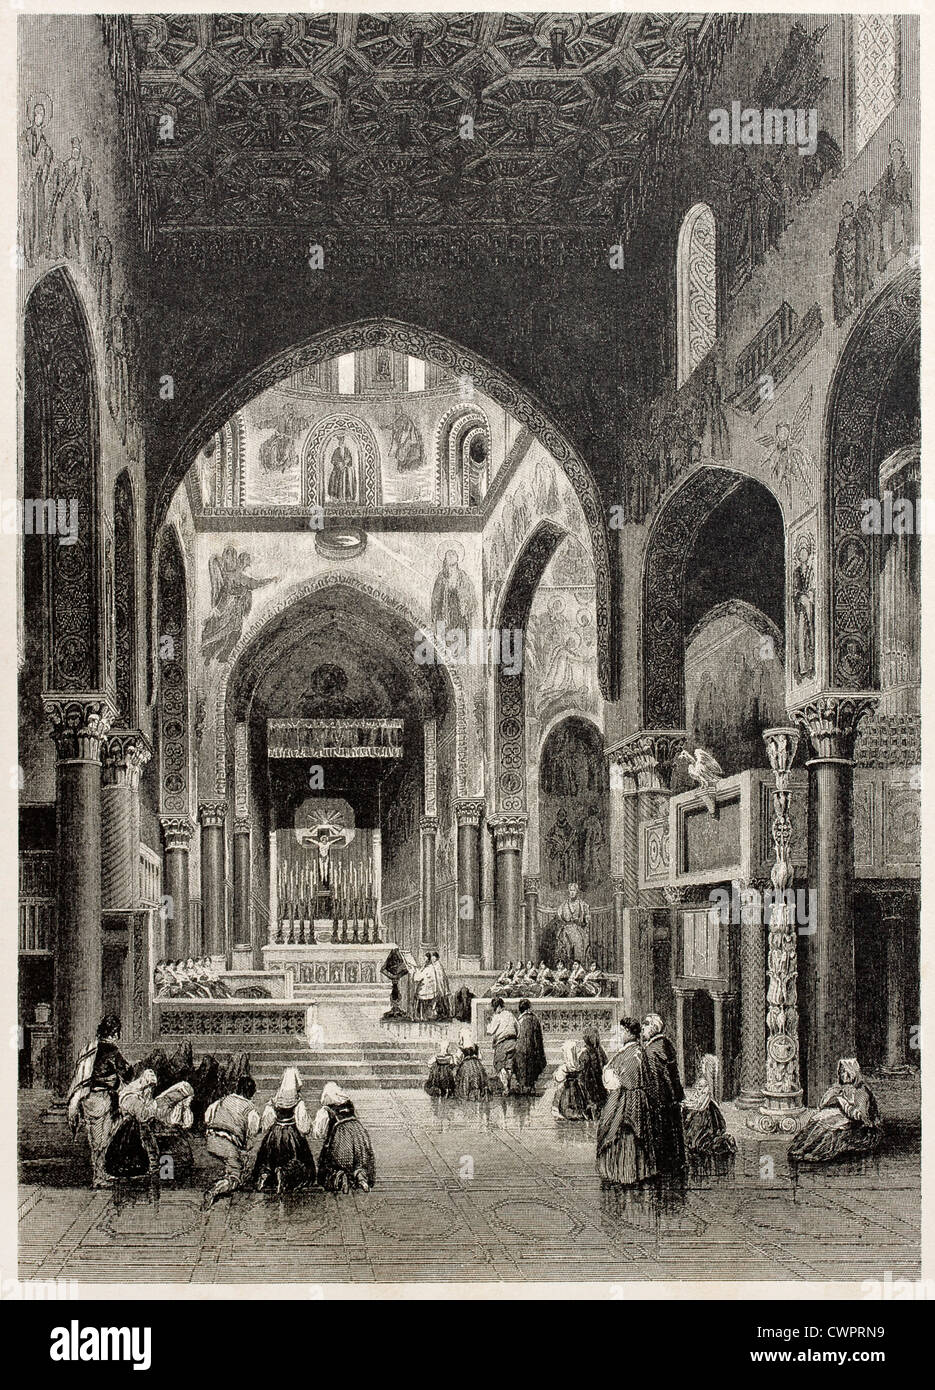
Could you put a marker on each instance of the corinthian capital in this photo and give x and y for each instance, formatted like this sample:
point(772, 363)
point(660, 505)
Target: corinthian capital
point(832, 720)
point(124, 755)
point(79, 724)
point(508, 832)
point(469, 811)
point(177, 832)
point(649, 755)
point(212, 814)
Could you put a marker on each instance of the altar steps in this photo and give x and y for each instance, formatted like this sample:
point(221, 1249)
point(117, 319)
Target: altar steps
point(367, 1064)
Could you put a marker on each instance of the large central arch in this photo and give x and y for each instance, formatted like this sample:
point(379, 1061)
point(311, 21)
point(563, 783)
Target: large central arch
point(419, 342)
point(234, 683)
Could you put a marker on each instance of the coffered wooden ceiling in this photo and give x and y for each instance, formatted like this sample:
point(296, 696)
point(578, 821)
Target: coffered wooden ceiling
point(356, 120)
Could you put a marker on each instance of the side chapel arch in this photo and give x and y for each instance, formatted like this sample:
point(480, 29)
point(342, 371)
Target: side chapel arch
point(510, 690)
point(663, 629)
point(850, 473)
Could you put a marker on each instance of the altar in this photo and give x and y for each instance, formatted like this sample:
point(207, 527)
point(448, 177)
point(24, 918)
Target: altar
point(330, 963)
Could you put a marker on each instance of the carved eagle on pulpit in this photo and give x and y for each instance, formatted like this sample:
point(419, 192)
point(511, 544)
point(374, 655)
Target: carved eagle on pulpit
point(704, 769)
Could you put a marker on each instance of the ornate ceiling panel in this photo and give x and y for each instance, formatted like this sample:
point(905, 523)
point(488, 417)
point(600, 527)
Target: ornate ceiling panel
point(358, 120)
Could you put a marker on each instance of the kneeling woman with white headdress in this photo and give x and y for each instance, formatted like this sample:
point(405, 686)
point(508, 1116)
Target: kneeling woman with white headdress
point(346, 1159)
point(284, 1162)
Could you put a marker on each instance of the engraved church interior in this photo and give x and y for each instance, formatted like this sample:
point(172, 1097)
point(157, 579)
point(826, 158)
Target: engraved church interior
point(496, 543)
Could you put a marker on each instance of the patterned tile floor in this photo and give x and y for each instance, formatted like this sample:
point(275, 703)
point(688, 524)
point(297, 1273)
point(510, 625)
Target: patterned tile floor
point(485, 1192)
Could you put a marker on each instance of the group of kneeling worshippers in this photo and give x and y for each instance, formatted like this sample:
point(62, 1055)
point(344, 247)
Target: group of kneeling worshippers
point(132, 1131)
point(648, 1125)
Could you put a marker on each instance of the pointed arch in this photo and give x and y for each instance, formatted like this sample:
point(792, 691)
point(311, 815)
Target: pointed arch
point(432, 347)
point(63, 468)
point(510, 688)
point(663, 627)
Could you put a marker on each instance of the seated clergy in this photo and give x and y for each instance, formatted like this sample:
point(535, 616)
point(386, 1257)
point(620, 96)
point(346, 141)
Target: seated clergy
point(530, 982)
point(545, 980)
point(593, 982)
point(560, 981)
point(505, 978)
point(576, 980)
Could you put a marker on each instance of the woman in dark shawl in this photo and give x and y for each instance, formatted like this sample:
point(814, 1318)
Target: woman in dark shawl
point(529, 1059)
point(284, 1162)
point(471, 1081)
point(132, 1151)
point(346, 1159)
point(847, 1122)
point(441, 1078)
point(593, 1060)
point(706, 1133)
point(569, 1101)
point(626, 1152)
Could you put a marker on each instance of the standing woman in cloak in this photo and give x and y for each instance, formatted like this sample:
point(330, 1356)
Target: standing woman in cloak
point(529, 1058)
point(346, 1157)
point(626, 1152)
point(593, 1060)
point(667, 1095)
point(284, 1162)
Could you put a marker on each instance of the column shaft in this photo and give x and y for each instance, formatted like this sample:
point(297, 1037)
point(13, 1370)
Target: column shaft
point(832, 722)
point(243, 915)
point(469, 878)
point(178, 934)
point(79, 725)
point(508, 886)
point(124, 754)
point(428, 827)
point(212, 816)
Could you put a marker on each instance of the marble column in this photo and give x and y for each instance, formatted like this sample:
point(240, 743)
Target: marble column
point(428, 829)
point(213, 815)
point(178, 933)
point(124, 754)
point(831, 721)
point(530, 918)
point(244, 936)
point(469, 813)
point(895, 903)
point(508, 832)
point(79, 725)
point(753, 933)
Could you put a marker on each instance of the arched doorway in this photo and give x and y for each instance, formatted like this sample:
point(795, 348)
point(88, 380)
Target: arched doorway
point(329, 714)
point(702, 619)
